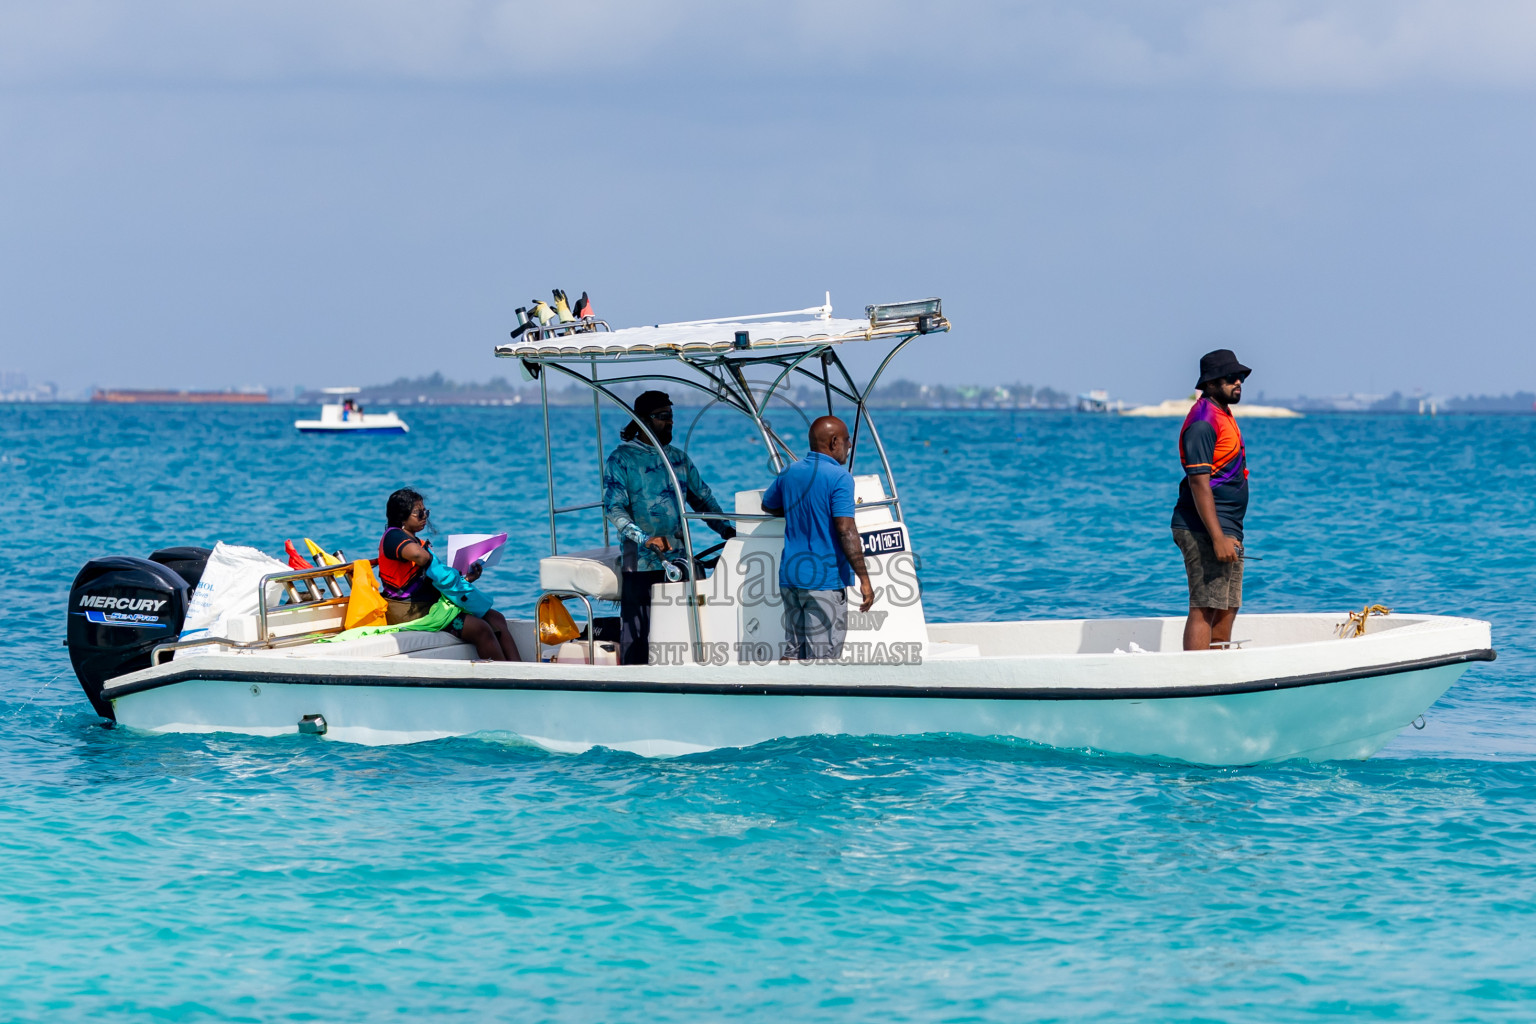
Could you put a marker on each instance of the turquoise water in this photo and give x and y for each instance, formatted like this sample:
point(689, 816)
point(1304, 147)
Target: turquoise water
point(833, 878)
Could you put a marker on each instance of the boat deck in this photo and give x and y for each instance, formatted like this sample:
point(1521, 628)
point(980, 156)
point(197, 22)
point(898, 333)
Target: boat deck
point(948, 640)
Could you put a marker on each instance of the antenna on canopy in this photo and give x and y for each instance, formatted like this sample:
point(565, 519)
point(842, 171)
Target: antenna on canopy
point(822, 312)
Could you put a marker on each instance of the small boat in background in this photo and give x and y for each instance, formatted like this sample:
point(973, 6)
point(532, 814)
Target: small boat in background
point(1098, 400)
point(347, 417)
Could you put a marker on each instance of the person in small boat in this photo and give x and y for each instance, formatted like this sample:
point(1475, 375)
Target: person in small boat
point(639, 502)
point(1213, 497)
point(822, 549)
point(411, 580)
point(348, 407)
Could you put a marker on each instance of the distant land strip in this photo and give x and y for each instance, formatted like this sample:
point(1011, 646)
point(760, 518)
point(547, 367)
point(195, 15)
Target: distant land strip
point(907, 394)
point(133, 396)
point(897, 394)
point(436, 390)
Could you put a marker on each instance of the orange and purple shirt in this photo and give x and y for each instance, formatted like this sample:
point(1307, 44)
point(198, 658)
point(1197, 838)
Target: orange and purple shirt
point(1210, 444)
point(399, 579)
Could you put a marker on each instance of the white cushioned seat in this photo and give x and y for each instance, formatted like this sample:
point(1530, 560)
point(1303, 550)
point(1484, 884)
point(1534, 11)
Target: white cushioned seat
point(412, 642)
point(594, 572)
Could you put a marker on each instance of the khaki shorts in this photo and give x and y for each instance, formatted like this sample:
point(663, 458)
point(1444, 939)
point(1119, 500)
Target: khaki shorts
point(815, 623)
point(1212, 584)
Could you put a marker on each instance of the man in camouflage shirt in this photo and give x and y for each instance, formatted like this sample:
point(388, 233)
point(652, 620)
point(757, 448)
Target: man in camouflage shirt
point(639, 501)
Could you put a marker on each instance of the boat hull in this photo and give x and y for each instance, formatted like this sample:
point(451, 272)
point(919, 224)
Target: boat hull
point(1350, 714)
point(337, 429)
point(336, 420)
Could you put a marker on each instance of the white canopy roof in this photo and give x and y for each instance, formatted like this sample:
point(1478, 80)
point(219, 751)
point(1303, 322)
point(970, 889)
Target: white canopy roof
point(670, 340)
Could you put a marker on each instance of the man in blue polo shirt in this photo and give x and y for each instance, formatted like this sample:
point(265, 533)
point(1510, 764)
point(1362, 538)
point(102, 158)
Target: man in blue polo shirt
point(822, 550)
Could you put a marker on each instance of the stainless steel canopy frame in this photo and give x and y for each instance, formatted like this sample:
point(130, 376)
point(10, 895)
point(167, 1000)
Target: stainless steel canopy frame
point(723, 376)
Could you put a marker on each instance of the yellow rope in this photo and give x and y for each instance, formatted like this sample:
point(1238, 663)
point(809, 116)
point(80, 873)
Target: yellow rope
point(1355, 626)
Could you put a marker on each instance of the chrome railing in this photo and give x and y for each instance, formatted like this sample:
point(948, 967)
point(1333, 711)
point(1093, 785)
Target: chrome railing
point(562, 330)
point(328, 575)
point(305, 588)
point(297, 640)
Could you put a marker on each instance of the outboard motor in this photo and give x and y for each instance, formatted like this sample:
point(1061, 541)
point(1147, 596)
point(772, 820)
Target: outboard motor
point(119, 609)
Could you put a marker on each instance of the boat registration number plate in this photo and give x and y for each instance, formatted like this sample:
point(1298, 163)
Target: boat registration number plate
point(883, 542)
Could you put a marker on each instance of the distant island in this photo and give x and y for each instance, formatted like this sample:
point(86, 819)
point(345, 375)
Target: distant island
point(897, 394)
point(1397, 402)
point(438, 390)
point(907, 394)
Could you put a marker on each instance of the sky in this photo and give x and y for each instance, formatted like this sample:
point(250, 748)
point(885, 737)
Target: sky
point(211, 193)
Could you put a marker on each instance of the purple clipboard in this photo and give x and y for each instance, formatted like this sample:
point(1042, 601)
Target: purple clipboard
point(477, 550)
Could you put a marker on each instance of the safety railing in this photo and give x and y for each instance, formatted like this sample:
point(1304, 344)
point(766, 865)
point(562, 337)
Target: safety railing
point(561, 330)
point(297, 640)
point(324, 578)
point(763, 517)
point(319, 587)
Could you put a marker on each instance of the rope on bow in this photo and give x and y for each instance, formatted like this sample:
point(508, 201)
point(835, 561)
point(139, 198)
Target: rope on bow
point(1355, 625)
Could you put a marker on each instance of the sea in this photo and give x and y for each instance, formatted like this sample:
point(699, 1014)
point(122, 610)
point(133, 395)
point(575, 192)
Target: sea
point(830, 878)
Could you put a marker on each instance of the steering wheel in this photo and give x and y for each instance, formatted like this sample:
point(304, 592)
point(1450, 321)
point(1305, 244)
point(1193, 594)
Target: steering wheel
point(700, 556)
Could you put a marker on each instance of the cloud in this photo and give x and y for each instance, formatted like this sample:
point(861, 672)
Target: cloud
point(1264, 44)
point(1369, 44)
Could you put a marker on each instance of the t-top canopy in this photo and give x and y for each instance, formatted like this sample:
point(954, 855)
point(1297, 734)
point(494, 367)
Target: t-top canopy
point(569, 341)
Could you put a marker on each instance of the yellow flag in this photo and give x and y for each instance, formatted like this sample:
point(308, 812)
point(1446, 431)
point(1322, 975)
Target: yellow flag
point(366, 606)
point(319, 552)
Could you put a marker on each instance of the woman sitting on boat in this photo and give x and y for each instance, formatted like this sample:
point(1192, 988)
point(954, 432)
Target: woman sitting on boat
point(412, 581)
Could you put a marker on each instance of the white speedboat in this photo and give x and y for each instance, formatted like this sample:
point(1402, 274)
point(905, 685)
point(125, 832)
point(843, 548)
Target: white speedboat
point(1296, 686)
point(343, 417)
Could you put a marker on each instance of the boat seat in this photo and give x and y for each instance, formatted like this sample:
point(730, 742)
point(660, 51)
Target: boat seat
point(410, 643)
point(594, 572)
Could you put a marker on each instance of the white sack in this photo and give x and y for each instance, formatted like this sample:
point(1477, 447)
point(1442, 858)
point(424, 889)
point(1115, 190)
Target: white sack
point(228, 591)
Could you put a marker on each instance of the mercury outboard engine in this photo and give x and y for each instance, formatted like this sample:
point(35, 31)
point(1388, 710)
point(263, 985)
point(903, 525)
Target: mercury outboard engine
point(119, 609)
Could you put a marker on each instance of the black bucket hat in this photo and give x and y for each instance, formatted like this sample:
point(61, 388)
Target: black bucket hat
point(1220, 363)
point(652, 401)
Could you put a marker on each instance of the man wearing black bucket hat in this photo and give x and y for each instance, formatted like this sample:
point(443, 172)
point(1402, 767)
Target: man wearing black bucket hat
point(1213, 497)
point(638, 500)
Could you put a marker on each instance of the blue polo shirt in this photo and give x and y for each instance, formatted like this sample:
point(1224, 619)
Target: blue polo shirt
point(809, 493)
